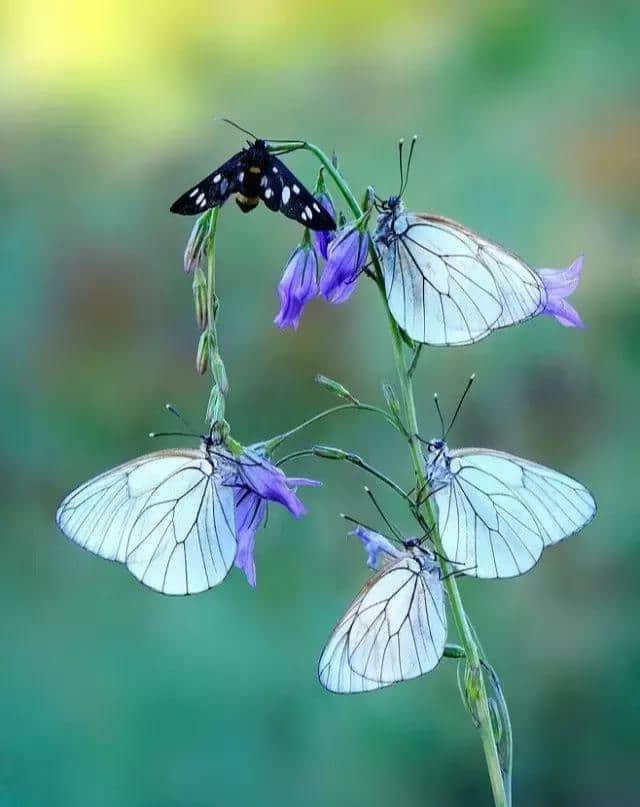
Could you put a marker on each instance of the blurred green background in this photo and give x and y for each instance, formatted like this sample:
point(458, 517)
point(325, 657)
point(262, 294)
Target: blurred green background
point(114, 696)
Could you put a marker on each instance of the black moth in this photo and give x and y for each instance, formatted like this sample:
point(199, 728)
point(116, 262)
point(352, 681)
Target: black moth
point(254, 174)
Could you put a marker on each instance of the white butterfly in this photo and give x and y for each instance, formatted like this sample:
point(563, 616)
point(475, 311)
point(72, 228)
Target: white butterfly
point(497, 512)
point(169, 516)
point(447, 285)
point(394, 630)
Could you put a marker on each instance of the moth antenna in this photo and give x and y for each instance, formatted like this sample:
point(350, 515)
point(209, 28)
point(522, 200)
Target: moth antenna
point(436, 401)
point(460, 402)
point(175, 411)
point(237, 126)
point(397, 534)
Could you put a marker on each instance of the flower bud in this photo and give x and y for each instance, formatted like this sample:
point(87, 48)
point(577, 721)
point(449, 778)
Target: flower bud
point(199, 288)
point(337, 388)
point(220, 373)
point(392, 400)
point(196, 248)
point(216, 406)
point(202, 356)
point(330, 453)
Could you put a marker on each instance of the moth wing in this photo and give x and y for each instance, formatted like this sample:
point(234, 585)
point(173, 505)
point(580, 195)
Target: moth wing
point(213, 190)
point(297, 203)
point(394, 630)
point(163, 515)
point(498, 512)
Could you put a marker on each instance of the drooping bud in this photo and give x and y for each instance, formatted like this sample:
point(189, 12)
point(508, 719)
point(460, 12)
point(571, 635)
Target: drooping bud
point(196, 248)
point(337, 388)
point(200, 298)
point(202, 356)
point(330, 453)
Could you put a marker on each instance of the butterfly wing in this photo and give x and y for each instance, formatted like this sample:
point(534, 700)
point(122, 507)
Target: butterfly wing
point(448, 286)
point(165, 515)
point(213, 190)
point(294, 200)
point(394, 630)
point(522, 292)
point(497, 512)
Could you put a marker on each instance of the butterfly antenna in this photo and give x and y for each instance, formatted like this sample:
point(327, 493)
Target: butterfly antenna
point(436, 401)
point(408, 168)
point(173, 434)
point(238, 127)
point(400, 147)
point(460, 402)
point(396, 532)
point(174, 411)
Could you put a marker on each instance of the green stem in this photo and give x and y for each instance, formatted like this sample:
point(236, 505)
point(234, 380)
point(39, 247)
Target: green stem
point(331, 453)
point(274, 442)
point(465, 632)
point(217, 396)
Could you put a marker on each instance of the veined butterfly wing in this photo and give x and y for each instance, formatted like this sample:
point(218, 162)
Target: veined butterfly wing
point(165, 515)
point(497, 512)
point(448, 286)
point(394, 630)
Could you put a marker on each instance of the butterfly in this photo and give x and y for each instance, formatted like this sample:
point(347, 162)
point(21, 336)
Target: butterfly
point(497, 512)
point(395, 629)
point(255, 174)
point(445, 284)
point(169, 516)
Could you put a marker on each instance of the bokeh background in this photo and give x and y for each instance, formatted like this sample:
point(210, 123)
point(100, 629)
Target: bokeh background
point(529, 118)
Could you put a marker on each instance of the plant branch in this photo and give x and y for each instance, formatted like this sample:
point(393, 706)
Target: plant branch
point(465, 632)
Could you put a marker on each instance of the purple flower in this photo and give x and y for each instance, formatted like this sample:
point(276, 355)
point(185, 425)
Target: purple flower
point(560, 283)
point(374, 544)
point(347, 254)
point(251, 512)
point(299, 284)
point(324, 237)
point(256, 482)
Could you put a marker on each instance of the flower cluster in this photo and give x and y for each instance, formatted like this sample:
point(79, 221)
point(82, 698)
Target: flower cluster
point(345, 254)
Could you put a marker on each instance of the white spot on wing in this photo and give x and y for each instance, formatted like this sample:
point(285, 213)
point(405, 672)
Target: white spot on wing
point(200, 199)
point(303, 216)
point(316, 207)
point(296, 189)
point(241, 176)
point(275, 170)
point(224, 186)
point(217, 178)
point(193, 192)
point(307, 210)
point(268, 193)
point(263, 182)
point(286, 194)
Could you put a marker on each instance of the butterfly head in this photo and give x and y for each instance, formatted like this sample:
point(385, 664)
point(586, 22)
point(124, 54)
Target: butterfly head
point(425, 557)
point(391, 222)
point(436, 453)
